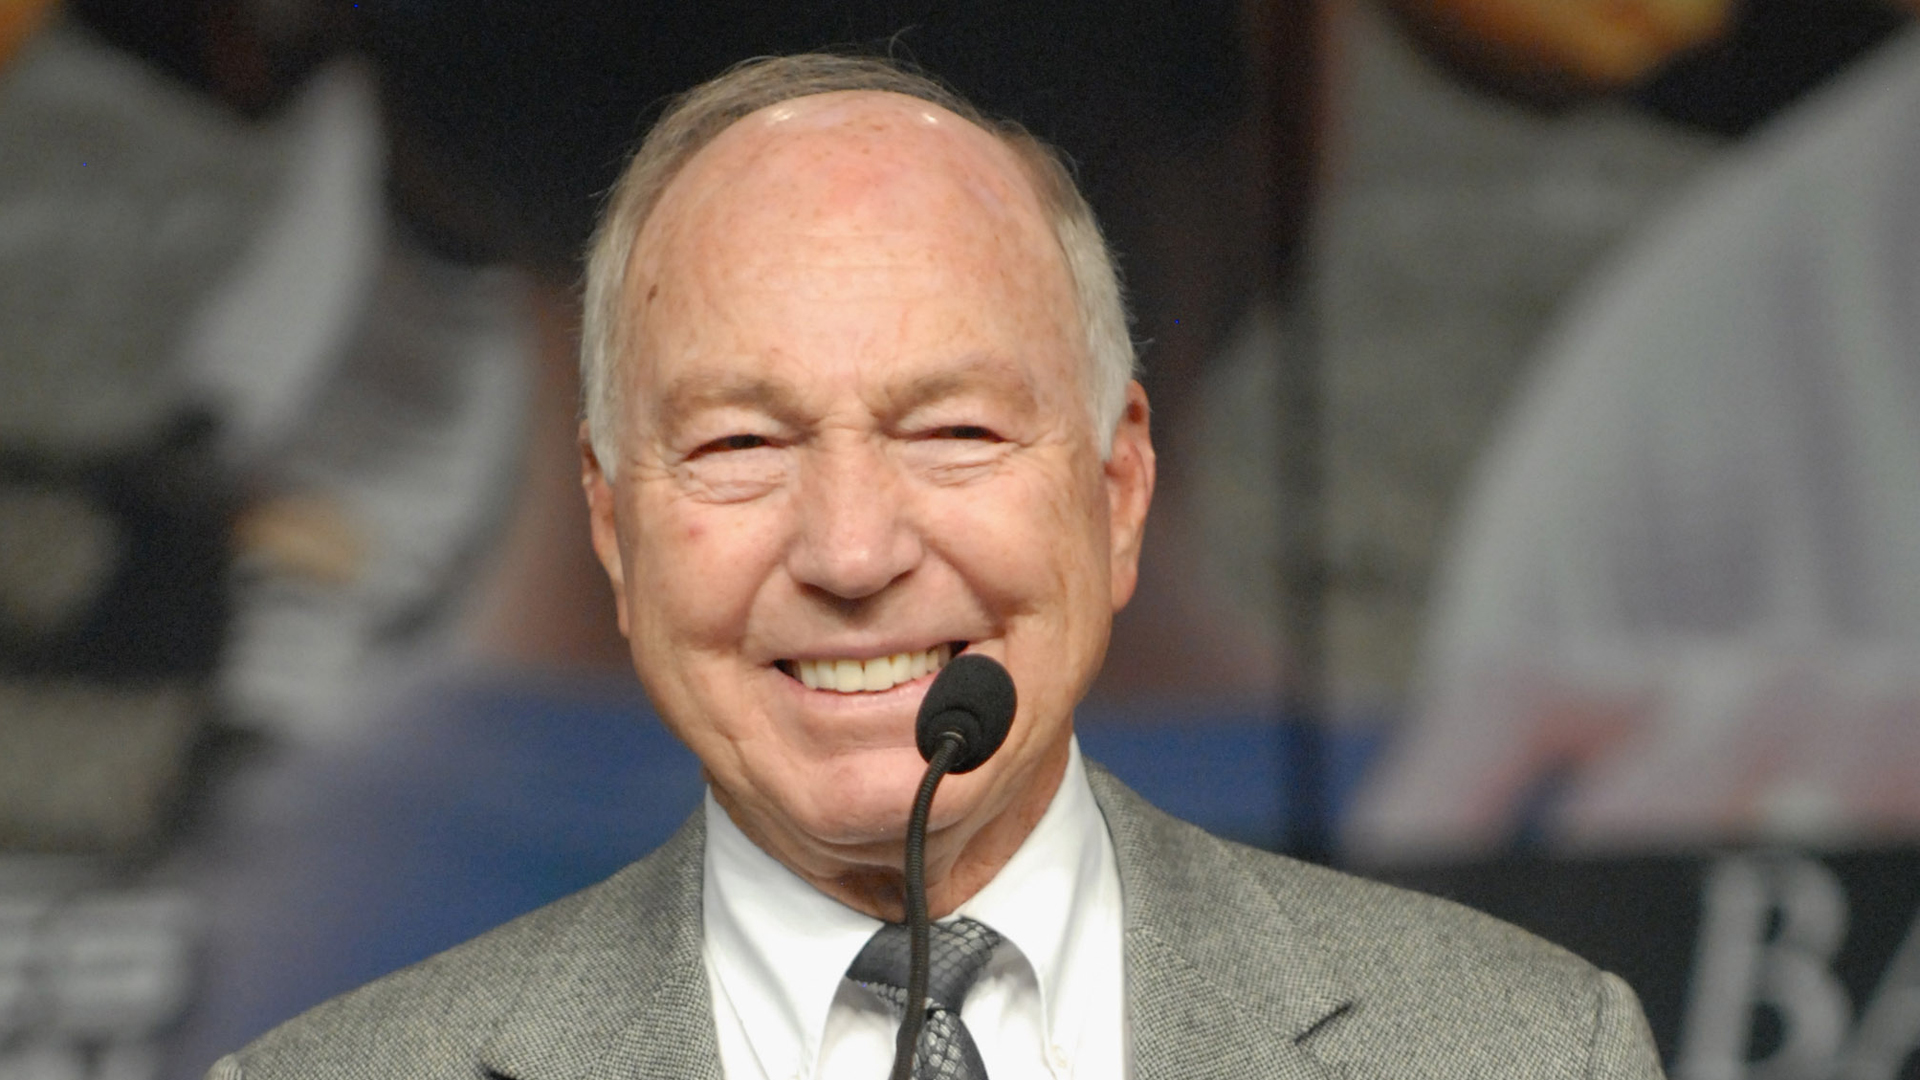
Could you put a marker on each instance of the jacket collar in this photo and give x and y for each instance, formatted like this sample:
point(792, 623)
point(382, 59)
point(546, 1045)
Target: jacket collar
point(1221, 980)
point(622, 992)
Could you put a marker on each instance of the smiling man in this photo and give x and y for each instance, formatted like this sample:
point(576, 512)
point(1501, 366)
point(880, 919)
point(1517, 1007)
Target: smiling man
point(859, 397)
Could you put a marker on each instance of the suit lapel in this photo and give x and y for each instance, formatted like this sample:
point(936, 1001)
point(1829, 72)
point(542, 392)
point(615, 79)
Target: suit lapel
point(1221, 981)
point(622, 992)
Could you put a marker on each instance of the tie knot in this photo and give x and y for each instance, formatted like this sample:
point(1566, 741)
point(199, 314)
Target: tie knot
point(957, 952)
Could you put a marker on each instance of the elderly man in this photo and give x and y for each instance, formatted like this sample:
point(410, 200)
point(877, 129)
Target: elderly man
point(859, 397)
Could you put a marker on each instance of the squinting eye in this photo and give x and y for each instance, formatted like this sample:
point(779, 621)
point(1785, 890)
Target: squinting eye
point(734, 442)
point(967, 431)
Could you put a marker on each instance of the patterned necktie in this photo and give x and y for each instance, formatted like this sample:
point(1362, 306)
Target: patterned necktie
point(957, 952)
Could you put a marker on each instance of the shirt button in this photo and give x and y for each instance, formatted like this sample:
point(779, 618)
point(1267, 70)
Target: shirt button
point(1057, 1058)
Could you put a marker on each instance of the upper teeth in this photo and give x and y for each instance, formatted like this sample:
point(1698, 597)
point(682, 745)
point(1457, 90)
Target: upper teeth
point(879, 673)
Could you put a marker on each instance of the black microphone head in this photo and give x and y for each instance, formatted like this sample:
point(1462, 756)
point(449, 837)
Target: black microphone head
point(972, 697)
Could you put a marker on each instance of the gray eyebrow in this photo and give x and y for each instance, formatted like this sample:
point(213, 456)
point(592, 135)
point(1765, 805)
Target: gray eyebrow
point(688, 395)
point(781, 399)
point(974, 371)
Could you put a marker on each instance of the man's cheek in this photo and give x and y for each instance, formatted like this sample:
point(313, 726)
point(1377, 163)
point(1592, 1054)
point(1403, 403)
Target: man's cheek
point(1029, 542)
point(705, 577)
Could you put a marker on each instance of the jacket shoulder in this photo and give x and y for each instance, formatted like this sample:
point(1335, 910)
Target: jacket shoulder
point(1403, 976)
point(1389, 931)
point(1473, 994)
point(433, 1018)
point(1480, 995)
point(1377, 930)
point(425, 1020)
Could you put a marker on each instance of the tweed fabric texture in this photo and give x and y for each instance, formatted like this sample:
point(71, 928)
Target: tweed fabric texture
point(1239, 963)
point(957, 952)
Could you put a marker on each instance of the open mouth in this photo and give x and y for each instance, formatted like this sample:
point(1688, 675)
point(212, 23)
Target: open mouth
point(851, 676)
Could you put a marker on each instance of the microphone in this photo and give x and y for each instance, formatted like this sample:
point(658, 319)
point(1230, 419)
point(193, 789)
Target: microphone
point(971, 699)
point(963, 719)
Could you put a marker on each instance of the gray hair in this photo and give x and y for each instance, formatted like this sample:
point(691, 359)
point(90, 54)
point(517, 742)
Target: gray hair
point(699, 116)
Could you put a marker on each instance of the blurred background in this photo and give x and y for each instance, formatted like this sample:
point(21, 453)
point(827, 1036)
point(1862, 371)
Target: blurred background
point(1537, 387)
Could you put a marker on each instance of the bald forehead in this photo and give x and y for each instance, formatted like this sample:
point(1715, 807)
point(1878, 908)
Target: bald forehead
point(856, 161)
point(867, 119)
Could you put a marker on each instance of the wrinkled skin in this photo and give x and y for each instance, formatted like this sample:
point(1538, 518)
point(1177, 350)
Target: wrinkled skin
point(858, 426)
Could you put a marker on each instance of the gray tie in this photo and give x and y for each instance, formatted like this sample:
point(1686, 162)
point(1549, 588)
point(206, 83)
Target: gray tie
point(957, 952)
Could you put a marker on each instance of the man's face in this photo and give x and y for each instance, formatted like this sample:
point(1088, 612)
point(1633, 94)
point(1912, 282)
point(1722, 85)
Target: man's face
point(857, 430)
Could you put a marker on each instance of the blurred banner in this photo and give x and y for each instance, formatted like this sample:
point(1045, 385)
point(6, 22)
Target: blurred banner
point(1771, 963)
point(93, 973)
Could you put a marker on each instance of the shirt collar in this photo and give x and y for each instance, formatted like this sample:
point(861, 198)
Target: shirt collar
point(1045, 898)
point(779, 947)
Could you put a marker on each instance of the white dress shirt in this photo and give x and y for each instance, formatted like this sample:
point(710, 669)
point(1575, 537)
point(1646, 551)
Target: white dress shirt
point(1051, 1003)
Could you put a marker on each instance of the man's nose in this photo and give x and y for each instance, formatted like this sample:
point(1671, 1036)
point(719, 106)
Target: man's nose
point(855, 535)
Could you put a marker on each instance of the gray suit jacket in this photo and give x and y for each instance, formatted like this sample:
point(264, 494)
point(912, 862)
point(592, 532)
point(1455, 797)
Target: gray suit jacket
point(1239, 963)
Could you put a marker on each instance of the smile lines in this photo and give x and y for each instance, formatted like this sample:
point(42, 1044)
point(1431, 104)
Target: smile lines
point(879, 673)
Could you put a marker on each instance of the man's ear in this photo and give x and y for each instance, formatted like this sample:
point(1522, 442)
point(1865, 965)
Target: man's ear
point(1130, 475)
point(600, 515)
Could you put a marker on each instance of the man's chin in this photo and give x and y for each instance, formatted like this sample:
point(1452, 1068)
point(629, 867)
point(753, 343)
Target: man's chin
point(853, 810)
point(881, 822)
point(876, 818)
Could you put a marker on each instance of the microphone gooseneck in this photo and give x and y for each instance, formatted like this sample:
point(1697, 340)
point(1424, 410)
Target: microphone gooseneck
point(963, 719)
point(919, 931)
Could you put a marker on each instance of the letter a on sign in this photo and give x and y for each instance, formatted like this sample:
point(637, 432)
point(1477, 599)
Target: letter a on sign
point(1889, 1030)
